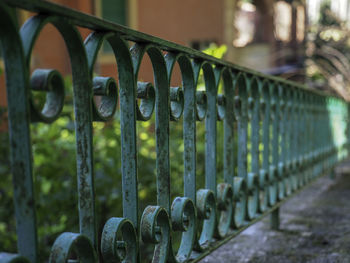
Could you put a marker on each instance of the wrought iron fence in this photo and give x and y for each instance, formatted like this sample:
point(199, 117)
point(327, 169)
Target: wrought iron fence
point(303, 133)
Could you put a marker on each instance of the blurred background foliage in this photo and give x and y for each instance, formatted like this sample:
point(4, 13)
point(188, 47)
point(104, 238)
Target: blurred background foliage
point(327, 54)
point(326, 66)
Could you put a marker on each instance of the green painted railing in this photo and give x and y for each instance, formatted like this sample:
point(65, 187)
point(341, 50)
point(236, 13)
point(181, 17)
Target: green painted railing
point(303, 134)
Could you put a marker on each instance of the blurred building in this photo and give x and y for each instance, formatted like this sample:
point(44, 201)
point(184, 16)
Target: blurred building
point(266, 35)
point(270, 37)
point(196, 23)
point(339, 7)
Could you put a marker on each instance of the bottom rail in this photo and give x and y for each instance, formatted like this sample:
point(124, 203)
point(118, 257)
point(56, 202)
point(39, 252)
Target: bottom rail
point(196, 256)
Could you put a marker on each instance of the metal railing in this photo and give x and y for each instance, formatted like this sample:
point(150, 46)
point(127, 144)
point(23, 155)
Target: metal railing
point(303, 134)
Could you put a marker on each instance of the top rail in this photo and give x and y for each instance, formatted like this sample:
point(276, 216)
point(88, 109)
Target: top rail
point(98, 24)
point(303, 134)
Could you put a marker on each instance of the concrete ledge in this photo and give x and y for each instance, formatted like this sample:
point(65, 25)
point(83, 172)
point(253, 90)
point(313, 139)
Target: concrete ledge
point(315, 227)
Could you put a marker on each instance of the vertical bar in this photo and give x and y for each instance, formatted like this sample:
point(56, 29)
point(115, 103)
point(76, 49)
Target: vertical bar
point(289, 137)
point(189, 126)
point(242, 123)
point(348, 126)
point(282, 127)
point(229, 121)
point(275, 219)
point(162, 128)
point(17, 84)
point(275, 124)
point(302, 135)
point(255, 128)
point(162, 102)
point(324, 137)
point(83, 131)
point(127, 97)
point(313, 121)
point(307, 136)
point(294, 138)
point(253, 104)
point(266, 143)
point(317, 144)
point(284, 122)
point(82, 96)
point(210, 129)
point(329, 134)
point(266, 129)
point(315, 140)
point(82, 101)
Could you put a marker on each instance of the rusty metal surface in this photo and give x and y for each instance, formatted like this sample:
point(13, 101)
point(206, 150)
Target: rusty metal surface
point(286, 130)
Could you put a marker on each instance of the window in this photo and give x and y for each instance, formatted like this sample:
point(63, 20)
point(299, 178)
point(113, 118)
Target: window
point(283, 21)
point(114, 11)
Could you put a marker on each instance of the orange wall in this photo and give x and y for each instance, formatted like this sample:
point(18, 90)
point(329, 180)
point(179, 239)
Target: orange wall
point(182, 21)
point(177, 21)
point(50, 49)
